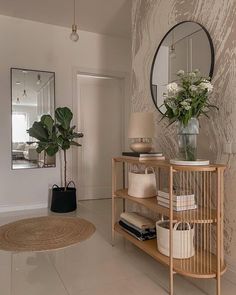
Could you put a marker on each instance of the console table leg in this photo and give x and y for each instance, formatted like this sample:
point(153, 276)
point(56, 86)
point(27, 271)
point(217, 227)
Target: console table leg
point(218, 286)
point(123, 184)
point(113, 219)
point(11, 275)
point(171, 230)
point(113, 222)
point(218, 233)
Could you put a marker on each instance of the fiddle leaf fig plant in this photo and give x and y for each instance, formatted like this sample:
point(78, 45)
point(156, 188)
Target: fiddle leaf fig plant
point(55, 135)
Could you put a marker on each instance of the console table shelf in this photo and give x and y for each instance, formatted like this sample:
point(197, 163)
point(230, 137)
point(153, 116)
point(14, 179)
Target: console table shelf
point(194, 216)
point(186, 267)
point(206, 183)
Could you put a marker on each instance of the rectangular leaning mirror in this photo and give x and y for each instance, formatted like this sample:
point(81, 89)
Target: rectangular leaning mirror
point(32, 95)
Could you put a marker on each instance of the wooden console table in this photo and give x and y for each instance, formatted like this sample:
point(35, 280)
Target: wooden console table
point(206, 183)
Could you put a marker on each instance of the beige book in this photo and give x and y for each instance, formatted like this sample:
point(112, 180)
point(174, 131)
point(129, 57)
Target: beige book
point(138, 220)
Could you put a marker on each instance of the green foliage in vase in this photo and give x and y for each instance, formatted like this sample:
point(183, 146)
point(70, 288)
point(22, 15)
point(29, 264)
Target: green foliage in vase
point(188, 98)
point(187, 150)
point(55, 135)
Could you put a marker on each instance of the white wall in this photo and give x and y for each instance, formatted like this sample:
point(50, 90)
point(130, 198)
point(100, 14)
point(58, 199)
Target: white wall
point(39, 46)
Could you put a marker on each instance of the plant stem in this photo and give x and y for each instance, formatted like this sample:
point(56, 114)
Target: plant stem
point(44, 158)
point(185, 147)
point(65, 164)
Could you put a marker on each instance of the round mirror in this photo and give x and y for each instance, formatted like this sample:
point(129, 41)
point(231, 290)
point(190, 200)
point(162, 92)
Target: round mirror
point(187, 46)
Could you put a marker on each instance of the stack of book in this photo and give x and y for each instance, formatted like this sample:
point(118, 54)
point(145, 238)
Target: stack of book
point(140, 227)
point(145, 156)
point(182, 200)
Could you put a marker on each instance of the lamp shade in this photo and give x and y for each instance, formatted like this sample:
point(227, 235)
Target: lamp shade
point(141, 125)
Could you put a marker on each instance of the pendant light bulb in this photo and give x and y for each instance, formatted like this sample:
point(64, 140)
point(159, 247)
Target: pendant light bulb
point(17, 100)
point(74, 35)
point(38, 80)
point(172, 51)
point(24, 94)
point(172, 46)
point(24, 91)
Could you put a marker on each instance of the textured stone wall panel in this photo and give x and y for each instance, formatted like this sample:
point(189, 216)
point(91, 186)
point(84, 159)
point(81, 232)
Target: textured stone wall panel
point(151, 20)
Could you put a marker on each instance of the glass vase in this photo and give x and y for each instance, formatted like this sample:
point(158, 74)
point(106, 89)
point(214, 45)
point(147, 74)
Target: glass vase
point(187, 140)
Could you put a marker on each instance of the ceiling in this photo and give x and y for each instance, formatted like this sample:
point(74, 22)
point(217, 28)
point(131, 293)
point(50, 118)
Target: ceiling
point(111, 17)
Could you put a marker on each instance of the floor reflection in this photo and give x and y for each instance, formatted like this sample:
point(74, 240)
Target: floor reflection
point(24, 164)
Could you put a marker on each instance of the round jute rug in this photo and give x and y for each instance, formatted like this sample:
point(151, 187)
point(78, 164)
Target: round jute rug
point(44, 233)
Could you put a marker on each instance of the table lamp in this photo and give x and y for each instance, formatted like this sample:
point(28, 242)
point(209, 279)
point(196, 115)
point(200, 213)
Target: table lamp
point(141, 132)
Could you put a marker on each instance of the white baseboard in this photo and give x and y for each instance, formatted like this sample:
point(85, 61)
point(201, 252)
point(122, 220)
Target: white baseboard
point(9, 208)
point(94, 192)
point(94, 199)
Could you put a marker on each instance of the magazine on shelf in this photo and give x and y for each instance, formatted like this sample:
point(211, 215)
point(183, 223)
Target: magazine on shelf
point(178, 208)
point(177, 203)
point(140, 155)
point(151, 155)
point(178, 195)
point(151, 158)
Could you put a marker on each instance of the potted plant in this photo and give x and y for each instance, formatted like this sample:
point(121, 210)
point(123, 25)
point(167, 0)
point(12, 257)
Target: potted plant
point(54, 136)
point(185, 101)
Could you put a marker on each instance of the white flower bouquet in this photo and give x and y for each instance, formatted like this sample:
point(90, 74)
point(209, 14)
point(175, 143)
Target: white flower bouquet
point(189, 98)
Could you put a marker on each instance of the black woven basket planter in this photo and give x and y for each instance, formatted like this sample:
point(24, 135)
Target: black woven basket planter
point(63, 201)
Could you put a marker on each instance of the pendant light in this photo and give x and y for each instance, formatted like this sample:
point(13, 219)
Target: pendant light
point(74, 35)
point(17, 87)
point(38, 79)
point(24, 94)
point(24, 91)
point(172, 47)
point(18, 84)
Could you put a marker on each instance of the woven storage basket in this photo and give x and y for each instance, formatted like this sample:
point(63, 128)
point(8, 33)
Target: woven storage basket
point(142, 185)
point(183, 240)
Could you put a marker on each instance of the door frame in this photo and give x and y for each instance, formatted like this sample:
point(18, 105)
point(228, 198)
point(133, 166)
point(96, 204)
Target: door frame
point(124, 78)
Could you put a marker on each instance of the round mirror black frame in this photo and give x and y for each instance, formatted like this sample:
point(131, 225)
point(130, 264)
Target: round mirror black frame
point(154, 58)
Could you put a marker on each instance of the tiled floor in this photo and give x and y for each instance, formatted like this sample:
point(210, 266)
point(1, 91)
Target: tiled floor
point(93, 267)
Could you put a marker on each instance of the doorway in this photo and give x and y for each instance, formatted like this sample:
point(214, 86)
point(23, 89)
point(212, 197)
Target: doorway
point(101, 119)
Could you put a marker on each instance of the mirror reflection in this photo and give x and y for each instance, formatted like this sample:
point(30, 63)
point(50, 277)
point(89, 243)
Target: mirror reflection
point(187, 46)
point(33, 94)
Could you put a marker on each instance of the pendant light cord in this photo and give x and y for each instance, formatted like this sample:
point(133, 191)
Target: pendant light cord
point(74, 12)
point(173, 38)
